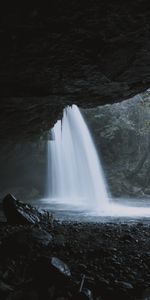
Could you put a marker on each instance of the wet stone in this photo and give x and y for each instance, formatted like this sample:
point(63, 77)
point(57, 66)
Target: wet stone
point(51, 271)
point(60, 266)
point(22, 241)
point(85, 294)
point(22, 295)
point(17, 213)
point(109, 274)
point(125, 285)
point(5, 289)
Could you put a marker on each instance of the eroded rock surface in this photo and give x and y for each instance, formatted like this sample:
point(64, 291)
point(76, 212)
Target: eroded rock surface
point(88, 53)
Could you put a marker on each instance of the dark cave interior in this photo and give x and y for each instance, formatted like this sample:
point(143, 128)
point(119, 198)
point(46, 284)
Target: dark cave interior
point(95, 54)
point(89, 55)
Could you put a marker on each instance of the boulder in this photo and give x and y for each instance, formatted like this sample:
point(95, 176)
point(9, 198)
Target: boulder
point(18, 213)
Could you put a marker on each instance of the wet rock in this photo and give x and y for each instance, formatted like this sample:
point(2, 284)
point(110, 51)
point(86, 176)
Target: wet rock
point(51, 270)
point(60, 240)
point(40, 236)
point(5, 289)
point(82, 267)
point(125, 285)
point(109, 274)
point(17, 213)
point(85, 294)
point(60, 266)
point(127, 237)
point(146, 294)
point(23, 240)
point(24, 295)
point(103, 283)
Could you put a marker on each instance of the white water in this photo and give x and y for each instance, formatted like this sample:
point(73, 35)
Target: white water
point(75, 175)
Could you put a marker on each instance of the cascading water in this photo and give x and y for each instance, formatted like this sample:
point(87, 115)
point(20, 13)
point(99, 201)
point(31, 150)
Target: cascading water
point(75, 175)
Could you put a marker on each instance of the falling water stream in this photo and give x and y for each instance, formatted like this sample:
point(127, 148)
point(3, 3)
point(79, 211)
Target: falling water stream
point(75, 176)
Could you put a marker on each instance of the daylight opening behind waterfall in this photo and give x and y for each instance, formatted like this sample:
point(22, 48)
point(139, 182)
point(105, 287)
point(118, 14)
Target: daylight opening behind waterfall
point(75, 174)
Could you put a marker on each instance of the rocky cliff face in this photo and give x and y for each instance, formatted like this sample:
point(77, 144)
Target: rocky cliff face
point(122, 135)
point(88, 53)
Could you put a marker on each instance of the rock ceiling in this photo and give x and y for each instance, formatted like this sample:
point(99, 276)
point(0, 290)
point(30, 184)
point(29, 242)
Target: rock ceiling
point(89, 53)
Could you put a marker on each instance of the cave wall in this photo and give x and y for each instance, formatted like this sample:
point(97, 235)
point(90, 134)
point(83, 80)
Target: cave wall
point(23, 169)
point(88, 53)
point(121, 132)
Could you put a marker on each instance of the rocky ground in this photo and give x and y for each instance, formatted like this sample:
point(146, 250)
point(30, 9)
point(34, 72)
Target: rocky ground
point(45, 259)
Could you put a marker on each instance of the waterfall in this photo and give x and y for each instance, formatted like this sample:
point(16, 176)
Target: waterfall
point(75, 174)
